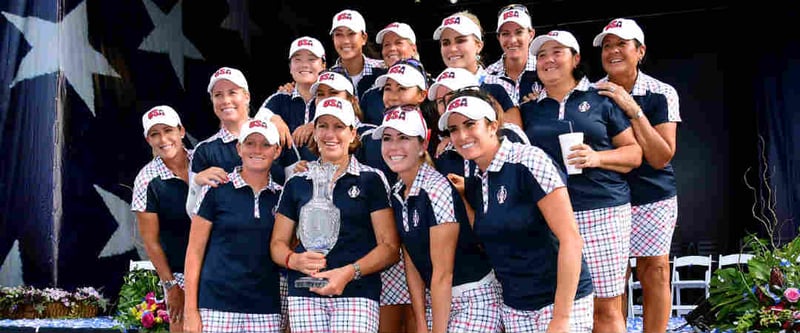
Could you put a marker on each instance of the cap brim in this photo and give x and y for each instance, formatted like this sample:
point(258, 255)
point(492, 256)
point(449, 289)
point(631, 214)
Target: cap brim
point(598, 40)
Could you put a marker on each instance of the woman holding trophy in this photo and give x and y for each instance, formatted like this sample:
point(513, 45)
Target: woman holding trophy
point(231, 283)
point(345, 226)
point(441, 252)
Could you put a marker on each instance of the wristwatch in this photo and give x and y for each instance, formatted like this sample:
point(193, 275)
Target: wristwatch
point(357, 268)
point(638, 114)
point(169, 284)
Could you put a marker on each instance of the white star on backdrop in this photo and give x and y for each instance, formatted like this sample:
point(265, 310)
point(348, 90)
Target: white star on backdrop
point(11, 272)
point(126, 237)
point(167, 37)
point(239, 20)
point(61, 47)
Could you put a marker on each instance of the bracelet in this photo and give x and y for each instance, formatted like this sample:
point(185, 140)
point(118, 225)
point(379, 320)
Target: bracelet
point(287, 259)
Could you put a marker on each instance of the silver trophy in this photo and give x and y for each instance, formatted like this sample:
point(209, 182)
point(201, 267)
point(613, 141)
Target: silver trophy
point(318, 229)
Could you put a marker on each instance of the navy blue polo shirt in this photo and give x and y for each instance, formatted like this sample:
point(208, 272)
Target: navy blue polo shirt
point(357, 193)
point(370, 154)
point(291, 107)
point(528, 75)
point(520, 244)
point(219, 150)
point(372, 106)
point(433, 201)
point(295, 112)
point(449, 161)
point(158, 190)
point(238, 273)
point(659, 102)
point(600, 120)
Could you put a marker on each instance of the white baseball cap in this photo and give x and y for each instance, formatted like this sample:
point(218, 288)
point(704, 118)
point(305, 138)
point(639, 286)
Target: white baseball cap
point(348, 18)
point(265, 128)
point(461, 24)
point(515, 13)
point(337, 107)
point(562, 37)
point(307, 43)
point(227, 73)
point(471, 107)
point(454, 79)
point(334, 80)
point(161, 114)
point(401, 29)
point(623, 28)
point(405, 75)
point(406, 119)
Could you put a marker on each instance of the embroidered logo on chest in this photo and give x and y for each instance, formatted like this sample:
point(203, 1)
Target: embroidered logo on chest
point(415, 219)
point(502, 194)
point(584, 106)
point(353, 191)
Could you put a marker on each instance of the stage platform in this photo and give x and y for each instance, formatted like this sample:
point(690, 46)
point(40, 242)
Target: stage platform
point(108, 325)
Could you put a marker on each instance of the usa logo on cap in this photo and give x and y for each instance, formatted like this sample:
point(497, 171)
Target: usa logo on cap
point(461, 102)
point(222, 71)
point(510, 14)
point(452, 21)
point(326, 77)
point(258, 123)
point(332, 103)
point(155, 113)
point(305, 42)
point(446, 75)
point(613, 24)
point(344, 16)
point(397, 70)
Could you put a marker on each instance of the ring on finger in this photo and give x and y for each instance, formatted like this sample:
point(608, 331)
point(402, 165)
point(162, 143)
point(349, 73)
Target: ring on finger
point(611, 89)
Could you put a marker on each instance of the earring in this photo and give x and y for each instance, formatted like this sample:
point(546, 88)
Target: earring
point(422, 153)
point(478, 57)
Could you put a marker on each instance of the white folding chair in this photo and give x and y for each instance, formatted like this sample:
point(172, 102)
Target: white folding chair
point(681, 265)
point(142, 264)
point(633, 309)
point(733, 259)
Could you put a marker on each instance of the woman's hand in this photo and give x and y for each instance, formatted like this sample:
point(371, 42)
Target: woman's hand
point(558, 325)
point(583, 156)
point(284, 133)
point(337, 279)
point(442, 145)
point(621, 97)
point(457, 181)
point(175, 304)
point(302, 134)
point(192, 322)
point(300, 166)
point(212, 176)
point(308, 262)
point(286, 87)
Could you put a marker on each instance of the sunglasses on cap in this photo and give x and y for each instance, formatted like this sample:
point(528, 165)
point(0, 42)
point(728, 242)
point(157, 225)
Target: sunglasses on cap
point(514, 6)
point(448, 96)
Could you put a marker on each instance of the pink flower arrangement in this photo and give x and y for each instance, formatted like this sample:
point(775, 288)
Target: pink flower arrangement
point(152, 313)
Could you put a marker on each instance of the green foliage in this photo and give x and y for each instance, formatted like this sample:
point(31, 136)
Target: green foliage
point(136, 285)
point(761, 298)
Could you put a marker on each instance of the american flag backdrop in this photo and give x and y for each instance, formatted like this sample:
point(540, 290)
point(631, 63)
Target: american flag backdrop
point(75, 77)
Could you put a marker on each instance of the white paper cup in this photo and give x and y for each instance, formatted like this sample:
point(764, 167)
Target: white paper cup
point(567, 140)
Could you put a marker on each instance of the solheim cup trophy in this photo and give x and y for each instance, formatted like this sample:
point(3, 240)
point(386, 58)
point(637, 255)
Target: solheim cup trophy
point(318, 229)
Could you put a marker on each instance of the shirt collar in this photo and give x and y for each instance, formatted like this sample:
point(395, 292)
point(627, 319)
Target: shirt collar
point(238, 181)
point(640, 86)
point(583, 85)
point(225, 135)
point(500, 157)
point(163, 171)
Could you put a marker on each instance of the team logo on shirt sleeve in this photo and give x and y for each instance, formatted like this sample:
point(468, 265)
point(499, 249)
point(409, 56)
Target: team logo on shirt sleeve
point(584, 106)
point(502, 194)
point(353, 191)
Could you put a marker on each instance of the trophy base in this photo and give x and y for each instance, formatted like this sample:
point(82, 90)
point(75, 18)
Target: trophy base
point(310, 282)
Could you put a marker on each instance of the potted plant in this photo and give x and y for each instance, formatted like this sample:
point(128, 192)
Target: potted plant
point(57, 302)
point(88, 301)
point(141, 303)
